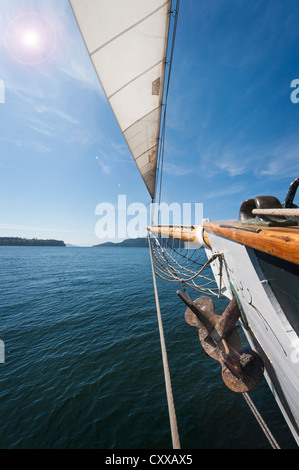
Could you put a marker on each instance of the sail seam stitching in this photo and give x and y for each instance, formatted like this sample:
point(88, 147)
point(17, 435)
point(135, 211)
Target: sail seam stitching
point(140, 119)
point(135, 78)
point(148, 150)
point(128, 29)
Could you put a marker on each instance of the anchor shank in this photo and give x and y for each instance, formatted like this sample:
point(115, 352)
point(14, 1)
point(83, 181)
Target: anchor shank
point(228, 319)
point(223, 326)
point(204, 316)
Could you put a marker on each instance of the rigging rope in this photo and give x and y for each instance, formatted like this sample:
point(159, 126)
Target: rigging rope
point(261, 422)
point(170, 401)
point(174, 266)
point(163, 115)
point(168, 268)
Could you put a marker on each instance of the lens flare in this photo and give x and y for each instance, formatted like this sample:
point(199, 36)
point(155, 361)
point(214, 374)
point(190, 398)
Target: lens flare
point(30, 38)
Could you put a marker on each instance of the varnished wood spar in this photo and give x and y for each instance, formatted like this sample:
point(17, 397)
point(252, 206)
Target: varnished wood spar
point(282, 242)
point(184, 233)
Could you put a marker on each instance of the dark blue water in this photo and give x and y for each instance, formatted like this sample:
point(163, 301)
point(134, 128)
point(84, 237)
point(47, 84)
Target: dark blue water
point(83, 364)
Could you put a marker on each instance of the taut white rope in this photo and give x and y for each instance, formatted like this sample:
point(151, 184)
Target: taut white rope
point(170, 401)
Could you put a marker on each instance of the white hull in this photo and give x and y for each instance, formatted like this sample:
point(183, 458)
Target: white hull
point(269, 331)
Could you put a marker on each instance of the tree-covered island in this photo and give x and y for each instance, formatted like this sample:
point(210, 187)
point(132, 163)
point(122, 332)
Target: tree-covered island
point(17, 241)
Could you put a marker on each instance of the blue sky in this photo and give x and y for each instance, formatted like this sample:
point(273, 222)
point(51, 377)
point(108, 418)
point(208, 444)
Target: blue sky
point(232, 129)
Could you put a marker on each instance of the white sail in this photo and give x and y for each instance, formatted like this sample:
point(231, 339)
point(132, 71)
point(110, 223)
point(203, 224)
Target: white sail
point(127, 43)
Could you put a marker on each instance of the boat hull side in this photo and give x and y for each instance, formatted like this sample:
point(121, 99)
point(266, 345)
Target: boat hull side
point(264, 322)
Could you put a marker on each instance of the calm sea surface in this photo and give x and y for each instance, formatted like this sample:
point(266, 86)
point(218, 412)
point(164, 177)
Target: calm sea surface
point(83, 365)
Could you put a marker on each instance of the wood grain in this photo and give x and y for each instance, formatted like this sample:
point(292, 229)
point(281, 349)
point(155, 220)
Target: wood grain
point(282, 242)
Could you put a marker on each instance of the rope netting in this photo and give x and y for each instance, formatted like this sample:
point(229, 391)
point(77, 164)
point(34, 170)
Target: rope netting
point(173, 261)
point(178, 261)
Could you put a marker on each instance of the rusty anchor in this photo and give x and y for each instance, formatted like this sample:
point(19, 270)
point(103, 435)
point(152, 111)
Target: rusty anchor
point(242, 368)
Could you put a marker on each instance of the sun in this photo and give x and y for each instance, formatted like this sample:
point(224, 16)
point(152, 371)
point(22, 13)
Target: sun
point(30, 38)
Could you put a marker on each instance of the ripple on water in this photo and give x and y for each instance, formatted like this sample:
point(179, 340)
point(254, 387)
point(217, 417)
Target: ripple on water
point(83, 359)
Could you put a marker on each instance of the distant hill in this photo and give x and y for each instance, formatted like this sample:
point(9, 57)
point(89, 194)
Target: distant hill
point(132, 242)
point(17, 241)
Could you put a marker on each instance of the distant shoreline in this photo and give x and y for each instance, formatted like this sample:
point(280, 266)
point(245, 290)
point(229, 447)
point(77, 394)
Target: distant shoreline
point(130, 242)
point(134, 242)
point(17, 241)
